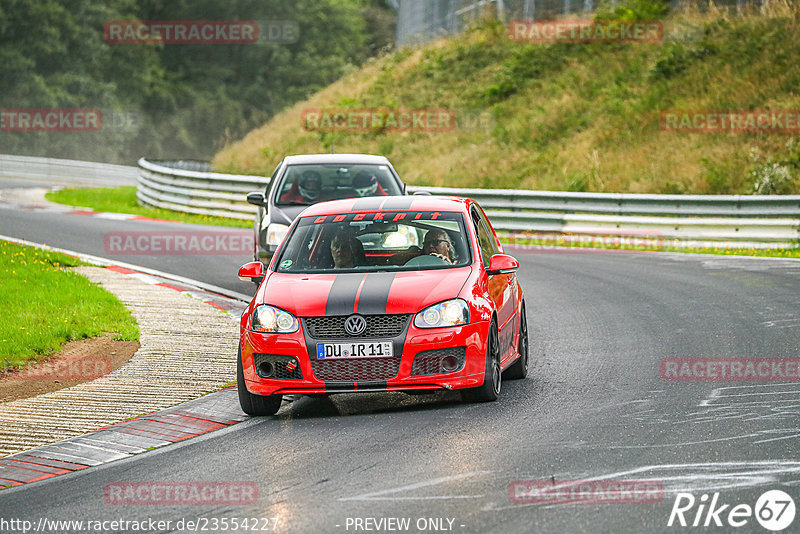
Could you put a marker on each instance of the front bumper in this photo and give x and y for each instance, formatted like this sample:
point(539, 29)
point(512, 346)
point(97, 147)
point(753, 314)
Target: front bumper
point(297, 349)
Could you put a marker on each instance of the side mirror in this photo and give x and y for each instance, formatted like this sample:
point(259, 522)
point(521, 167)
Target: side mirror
point(250, 272)
point(502, 264)
point(422, 193)
point(257, 199)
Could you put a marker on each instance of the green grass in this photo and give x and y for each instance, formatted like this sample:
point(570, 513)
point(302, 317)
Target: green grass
point(123, 200)
point(46, 305)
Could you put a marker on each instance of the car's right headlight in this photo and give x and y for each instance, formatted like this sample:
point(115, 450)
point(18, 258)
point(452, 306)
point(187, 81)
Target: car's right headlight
point(449, 313)
point(274, 320)
point(275, 234)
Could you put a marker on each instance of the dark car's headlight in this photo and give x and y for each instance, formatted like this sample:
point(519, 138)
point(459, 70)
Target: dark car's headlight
point(269, 319)
point(275, 234)
point(448, 313)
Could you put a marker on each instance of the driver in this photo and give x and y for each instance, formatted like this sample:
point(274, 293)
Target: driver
point(437, 243)
point(304, 190)
point(366, 185)
point(347, 251)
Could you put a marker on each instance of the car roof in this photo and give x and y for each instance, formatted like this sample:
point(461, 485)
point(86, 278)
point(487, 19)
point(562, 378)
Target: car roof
point(395, 203)
point(335, 158)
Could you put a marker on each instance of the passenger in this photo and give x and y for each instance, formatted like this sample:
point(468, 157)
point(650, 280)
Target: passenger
point(366, 185)
point(305, 190)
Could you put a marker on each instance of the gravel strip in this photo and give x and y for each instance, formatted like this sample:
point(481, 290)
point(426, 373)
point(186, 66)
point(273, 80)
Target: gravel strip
point(188, 349)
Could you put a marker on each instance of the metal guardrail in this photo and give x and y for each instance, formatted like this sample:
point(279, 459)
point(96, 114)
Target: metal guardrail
point(189, 187)
point(757, 221)
point(66, 171)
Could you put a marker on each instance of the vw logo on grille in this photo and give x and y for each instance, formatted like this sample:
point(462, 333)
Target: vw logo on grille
point(355, 325)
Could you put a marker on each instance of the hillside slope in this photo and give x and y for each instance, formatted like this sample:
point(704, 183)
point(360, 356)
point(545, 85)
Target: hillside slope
point(579, 117)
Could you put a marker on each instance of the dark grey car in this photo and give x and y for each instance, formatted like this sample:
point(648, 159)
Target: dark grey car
point(300, 181)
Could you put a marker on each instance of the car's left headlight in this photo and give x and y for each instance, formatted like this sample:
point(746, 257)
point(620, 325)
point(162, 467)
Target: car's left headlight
point(275, 320)
point(448, 313)
point(275, 234)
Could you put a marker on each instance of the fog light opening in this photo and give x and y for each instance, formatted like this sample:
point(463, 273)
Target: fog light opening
point(449, 364)
point(266, 369)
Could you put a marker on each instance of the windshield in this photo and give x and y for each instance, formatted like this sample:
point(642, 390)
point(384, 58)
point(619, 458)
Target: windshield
point(383, 241)
point(309, 184)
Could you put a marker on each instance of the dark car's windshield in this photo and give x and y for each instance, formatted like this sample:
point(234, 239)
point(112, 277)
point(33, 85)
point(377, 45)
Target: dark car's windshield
point(309, 184)
point(368, 242)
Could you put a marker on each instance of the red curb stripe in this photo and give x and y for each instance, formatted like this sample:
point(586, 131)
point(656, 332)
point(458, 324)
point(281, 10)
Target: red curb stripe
point(165, 433)
point(69, 466)
point(150, 219)
point(209, 417)
point(186, 422)
point(22, 475)
point(215, 305)
point(33, 467)
point(145, 434)
point(163, 284)
point(122, 270)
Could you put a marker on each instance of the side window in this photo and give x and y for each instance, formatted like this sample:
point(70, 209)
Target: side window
point(485, 239)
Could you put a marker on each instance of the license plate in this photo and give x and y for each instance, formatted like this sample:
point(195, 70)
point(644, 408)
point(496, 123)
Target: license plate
point(378, 349)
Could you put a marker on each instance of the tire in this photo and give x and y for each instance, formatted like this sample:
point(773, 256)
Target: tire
point(492, 380)
point(519, 369)
point(254, 404)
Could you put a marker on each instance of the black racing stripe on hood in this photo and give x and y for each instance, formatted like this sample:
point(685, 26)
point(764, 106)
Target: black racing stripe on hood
point(368, 204)
point(342, 296)
point(375, 293)
point(398, 203)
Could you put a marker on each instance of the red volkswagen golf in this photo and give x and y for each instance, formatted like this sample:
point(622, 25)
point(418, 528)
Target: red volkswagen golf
point(383, 294)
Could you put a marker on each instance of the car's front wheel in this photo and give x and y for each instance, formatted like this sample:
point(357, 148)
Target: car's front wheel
point(251, 403)
point(492, 380)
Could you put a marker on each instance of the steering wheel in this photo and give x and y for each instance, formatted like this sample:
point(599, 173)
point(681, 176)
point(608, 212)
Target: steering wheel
point(425, 260)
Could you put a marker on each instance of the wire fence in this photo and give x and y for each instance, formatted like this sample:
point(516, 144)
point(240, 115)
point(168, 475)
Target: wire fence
point(419, 21)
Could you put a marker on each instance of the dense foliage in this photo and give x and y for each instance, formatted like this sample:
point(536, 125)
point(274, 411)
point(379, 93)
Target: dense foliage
point(164, 100)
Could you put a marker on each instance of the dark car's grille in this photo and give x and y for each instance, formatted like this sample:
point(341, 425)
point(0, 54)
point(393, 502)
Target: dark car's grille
point(434, 362)
point(378, 326)
point(275, 366)
point(356, 369)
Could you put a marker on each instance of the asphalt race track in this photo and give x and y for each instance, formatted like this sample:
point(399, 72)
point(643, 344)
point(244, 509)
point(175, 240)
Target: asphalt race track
point(593, 407)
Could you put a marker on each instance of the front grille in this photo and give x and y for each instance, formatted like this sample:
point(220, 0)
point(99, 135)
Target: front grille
point(431, 362)
point(275, 366)
point(378, 326)
point(356, 369)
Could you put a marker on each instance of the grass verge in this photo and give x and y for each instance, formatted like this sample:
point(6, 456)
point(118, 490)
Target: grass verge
point(123, 200)
point(45, 305)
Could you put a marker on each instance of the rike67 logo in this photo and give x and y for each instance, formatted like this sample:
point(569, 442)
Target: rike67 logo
point(774, 510)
